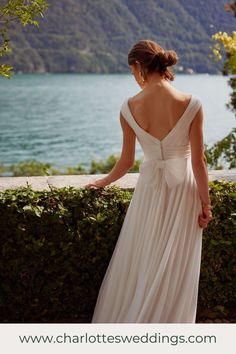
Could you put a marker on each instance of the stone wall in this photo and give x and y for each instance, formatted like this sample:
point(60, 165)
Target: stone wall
point(128, 181)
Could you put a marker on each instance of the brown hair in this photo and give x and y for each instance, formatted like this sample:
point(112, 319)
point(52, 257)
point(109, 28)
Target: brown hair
point(153, 58)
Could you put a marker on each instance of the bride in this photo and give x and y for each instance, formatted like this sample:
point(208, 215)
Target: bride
point(153, 274)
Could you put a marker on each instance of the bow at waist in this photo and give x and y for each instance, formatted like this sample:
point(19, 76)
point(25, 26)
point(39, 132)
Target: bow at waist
point(174, 170)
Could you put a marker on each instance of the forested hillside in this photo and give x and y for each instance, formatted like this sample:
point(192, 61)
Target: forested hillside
point(95, 35)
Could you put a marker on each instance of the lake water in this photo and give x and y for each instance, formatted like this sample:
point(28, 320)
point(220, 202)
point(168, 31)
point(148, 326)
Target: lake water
point(70, 119)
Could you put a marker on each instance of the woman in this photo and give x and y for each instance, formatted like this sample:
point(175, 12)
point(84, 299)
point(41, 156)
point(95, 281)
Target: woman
point(153, 274)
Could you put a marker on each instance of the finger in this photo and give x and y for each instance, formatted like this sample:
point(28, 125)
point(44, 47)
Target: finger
point(90, 184)
point(207, 218)
point(202, 223)
point(203, 218)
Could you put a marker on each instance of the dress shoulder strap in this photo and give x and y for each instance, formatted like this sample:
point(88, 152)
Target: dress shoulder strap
point(195, 106)
point(126, 114)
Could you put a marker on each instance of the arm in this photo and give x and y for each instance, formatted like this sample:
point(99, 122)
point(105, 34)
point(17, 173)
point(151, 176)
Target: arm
point(126, 160)
point(198, 159)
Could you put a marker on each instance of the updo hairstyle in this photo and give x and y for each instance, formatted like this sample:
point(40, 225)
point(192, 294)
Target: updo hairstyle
point(153, 58)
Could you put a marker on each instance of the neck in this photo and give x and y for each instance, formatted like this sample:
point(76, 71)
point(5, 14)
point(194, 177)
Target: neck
point(154, 80)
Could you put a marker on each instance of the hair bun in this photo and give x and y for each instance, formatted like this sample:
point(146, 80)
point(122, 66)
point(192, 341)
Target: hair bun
point(163, 59)
point(168, 58)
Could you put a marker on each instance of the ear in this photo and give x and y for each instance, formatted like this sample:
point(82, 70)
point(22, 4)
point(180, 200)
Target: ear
point(138, 65)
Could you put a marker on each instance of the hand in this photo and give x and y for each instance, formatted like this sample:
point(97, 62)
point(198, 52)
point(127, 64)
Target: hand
point(99, 183)
point(205, 217)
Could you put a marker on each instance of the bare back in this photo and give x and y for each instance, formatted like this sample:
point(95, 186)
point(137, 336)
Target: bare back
point(158, 110)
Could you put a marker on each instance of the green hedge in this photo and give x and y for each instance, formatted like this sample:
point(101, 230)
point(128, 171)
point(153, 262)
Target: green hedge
point(56, 246)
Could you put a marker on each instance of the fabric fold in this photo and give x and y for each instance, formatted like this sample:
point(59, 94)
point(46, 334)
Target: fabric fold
point(174, 170)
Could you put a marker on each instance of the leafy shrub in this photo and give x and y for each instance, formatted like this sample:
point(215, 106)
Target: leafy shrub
point(56, 245)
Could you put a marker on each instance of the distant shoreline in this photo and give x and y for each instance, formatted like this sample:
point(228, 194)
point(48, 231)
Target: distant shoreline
point(111, 73)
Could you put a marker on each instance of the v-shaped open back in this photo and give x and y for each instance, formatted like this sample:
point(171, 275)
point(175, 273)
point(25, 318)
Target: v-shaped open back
point(170, 132)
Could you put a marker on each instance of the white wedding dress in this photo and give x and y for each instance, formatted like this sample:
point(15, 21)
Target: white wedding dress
point(153, 274)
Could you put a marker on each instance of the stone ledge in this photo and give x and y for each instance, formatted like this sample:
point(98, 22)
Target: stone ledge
point(128, 181)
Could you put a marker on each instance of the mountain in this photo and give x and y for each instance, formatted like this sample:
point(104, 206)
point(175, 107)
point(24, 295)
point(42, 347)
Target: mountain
point(96, 35)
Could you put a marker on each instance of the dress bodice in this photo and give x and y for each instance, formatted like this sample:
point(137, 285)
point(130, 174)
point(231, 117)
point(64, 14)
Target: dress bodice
point(172, 152)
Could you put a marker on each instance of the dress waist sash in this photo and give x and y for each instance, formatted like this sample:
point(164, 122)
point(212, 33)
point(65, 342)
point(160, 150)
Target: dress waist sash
point(174, 170)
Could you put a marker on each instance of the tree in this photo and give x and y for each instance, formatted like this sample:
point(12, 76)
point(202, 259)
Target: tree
point(23, 11)
point(225, 150)
point(228, 44)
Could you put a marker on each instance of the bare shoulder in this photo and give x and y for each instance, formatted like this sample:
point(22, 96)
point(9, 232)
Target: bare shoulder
point(181, 96)
point(137, 97)
point(170, 96)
